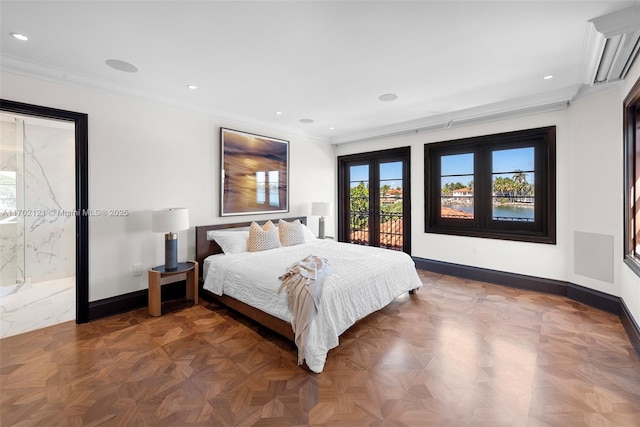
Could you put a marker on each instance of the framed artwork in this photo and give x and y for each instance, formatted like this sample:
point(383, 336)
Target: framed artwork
point(255, 174)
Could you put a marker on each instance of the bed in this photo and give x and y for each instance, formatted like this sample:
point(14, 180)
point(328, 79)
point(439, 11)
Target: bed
point(362, 280)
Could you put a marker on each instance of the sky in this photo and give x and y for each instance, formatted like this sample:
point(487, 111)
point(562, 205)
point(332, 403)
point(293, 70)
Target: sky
point(504, 163)
point(390, 174)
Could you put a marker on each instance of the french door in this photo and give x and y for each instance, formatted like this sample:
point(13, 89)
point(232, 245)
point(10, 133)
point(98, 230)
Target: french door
point(374, 199)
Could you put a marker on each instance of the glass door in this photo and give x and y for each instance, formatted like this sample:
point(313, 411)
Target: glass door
point(390, 214)
point(374, 199)
point(359, 204)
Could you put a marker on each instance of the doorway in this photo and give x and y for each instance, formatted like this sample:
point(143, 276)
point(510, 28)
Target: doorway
point(374, 199)
point(44, 200)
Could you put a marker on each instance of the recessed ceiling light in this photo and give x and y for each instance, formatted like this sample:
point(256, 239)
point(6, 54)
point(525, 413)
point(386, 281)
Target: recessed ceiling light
point(192, 87)
point(388, 97)
point(548, 77)
point(19, 36)
point(306, 121)
point(331, 128)
point(120, 65)
point(279, 113)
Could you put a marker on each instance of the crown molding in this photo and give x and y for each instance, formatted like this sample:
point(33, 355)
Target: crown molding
point(535, 104)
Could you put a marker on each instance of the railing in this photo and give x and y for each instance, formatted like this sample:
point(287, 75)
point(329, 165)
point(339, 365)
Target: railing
point(391, 229)
point(499, 198)
point(359, 228)
point(512, 219)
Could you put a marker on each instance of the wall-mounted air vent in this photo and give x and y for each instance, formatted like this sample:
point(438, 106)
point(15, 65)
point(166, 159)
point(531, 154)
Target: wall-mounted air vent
point(612, 44)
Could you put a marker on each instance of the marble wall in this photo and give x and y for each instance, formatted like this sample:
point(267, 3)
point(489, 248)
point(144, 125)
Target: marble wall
point(44, 228)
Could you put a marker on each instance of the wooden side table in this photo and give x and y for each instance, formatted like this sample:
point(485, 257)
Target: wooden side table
point(159, 272)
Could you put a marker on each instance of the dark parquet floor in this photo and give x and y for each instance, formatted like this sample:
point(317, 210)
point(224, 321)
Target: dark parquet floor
point(457, 353)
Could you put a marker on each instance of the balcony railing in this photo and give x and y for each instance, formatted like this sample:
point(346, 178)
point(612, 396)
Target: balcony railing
point(391, 229)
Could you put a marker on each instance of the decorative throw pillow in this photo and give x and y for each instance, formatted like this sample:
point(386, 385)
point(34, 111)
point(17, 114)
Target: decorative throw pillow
point(263, 238)
point(291, 233)
point(230, 241)
point(267, 226)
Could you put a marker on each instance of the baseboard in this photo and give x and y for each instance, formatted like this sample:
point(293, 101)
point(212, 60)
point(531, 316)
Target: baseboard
point(495, 277)
point(597, 299)
point(118, 304)
point(591, 297)
point(630, 325)
point(133, 300)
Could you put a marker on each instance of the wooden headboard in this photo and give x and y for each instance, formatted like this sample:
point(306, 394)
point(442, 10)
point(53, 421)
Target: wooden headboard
point(205, 247)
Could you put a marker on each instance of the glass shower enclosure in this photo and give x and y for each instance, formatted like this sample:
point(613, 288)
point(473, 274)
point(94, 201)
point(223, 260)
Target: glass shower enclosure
point(37, 203)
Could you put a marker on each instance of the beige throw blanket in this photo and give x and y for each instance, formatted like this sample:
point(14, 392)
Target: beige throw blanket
point(303, 282)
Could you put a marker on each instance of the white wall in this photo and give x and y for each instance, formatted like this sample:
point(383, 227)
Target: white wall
point(595, 168)
point(144, 156)
point(596, 172)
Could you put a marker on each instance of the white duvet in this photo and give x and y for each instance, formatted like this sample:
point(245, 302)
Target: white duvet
point(363, 280)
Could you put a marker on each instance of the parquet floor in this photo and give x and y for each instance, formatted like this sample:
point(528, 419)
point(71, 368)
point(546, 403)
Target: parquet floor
point(458, 353)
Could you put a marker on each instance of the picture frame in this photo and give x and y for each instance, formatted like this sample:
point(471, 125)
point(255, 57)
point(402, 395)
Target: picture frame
point(254, 173)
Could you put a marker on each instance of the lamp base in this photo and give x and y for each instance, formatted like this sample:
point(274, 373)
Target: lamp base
point(170, 251)
point(321, 227)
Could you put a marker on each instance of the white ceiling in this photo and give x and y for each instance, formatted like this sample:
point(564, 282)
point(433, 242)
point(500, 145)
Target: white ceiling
point(324, 60)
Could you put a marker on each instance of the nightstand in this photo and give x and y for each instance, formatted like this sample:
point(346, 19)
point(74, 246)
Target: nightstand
point(190, 268)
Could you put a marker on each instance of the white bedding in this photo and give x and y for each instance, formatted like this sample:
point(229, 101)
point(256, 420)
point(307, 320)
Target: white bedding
point(363, 279)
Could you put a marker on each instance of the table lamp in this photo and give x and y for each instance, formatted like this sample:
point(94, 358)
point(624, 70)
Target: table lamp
point(321, 209)
point(169, 221)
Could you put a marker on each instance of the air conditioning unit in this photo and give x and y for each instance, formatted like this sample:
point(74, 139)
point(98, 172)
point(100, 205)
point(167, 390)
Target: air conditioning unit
point(612, 44)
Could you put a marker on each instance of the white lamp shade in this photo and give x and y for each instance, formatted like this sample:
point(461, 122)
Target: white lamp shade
point(169, 220)
point(321, 209)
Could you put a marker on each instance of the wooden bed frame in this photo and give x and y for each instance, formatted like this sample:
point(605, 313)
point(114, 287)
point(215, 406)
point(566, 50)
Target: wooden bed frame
point(205, 247)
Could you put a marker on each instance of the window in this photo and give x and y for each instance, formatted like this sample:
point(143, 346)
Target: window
point(631, 123)
point(7, 191)
point(497, 186)
point(267, 181)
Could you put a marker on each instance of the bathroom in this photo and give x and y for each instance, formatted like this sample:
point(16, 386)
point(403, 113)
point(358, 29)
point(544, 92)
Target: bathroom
point(37, 223)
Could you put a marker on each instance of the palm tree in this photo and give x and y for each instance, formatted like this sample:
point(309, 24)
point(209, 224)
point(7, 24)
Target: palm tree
point(520, 179)
point(501, 186)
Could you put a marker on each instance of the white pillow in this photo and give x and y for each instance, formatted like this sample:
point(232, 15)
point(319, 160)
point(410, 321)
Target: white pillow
point(231, 241)
point(263, 238)
point(308, 234)
point(290, 233)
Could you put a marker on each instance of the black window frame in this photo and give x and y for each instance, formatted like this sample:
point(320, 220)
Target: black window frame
point(373, 160)
point(631, 108)
point(541, 230)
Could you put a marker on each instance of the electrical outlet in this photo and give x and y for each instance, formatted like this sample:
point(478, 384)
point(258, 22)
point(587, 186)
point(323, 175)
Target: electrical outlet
point(137, 269)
